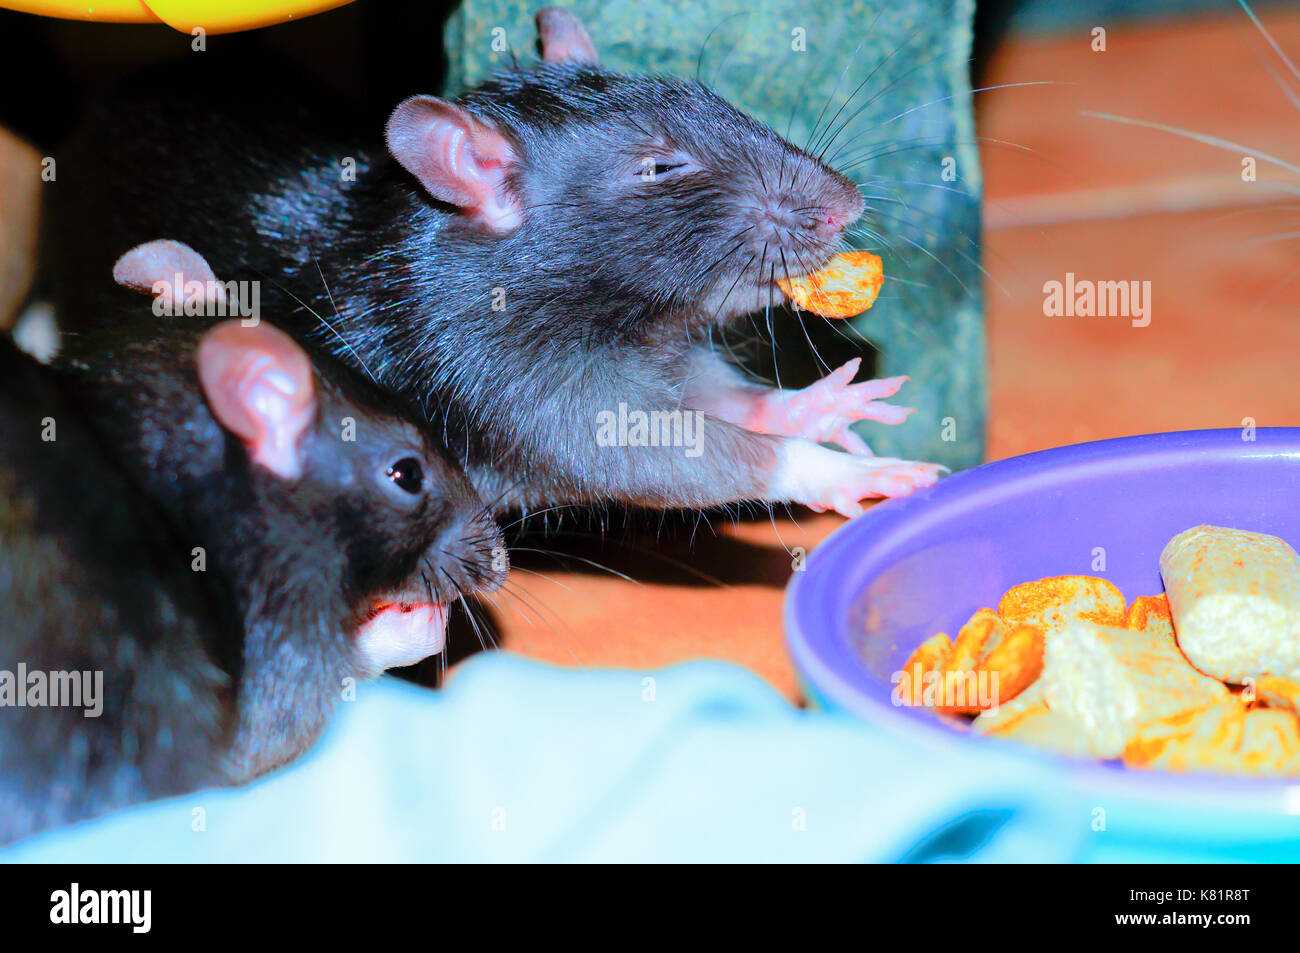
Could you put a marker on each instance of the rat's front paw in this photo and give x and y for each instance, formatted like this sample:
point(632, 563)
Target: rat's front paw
point(824, 411)
point(824, 479)
point(880, 477)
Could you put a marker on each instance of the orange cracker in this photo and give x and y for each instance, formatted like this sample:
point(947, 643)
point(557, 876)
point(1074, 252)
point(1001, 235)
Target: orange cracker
point(930, 656)
point(849, 284)
point(976, 639)
point(1058, 600)
point(1151, 614)
point(1017, 660)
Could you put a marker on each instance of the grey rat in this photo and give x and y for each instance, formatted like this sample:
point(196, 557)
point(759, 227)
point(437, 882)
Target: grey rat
point(231, 535)
point(546, 250)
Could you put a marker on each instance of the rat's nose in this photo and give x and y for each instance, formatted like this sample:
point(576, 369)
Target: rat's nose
point(803, 217)
point(827, 223)
point(473, 553)
point(823, 201)
point(844, 204)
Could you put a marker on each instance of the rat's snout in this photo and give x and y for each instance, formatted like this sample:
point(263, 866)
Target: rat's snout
point(470, 555)
point(845, 205)
point(804, 210)
point(835, 203)
point(404, 625)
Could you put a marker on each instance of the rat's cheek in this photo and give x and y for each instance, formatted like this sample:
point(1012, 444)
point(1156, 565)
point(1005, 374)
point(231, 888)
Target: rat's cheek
point(402, 634)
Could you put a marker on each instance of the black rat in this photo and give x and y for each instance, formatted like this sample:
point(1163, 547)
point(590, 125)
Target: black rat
point(526, 261)
point(228, 534)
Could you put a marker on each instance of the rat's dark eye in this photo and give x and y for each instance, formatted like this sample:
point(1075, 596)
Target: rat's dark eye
point(651, 170)
point(407, 474)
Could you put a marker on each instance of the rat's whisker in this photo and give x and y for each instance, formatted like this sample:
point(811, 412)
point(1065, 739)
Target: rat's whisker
point(582, 559)
point(812, 144)
point(873, 127)
point(1219, 143)
point(830, 98)
point(317, 315)
point(896, 148)
point(699, 60)
point(1281, 54)
point(873, 100)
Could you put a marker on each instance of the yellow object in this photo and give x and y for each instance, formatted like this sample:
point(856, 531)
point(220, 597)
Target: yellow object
point(1060, 600)
point(1202, 678)
point(993, 718)
point(1220, 739)
point(1041, 727)
point(1006, 660)
point(848, 285)
point(1235, 597)
point(1113, 680)
point(917, 670)
point(976, 639)
point(1018, 660)
point(212, 16)
point(1278, 693)
point(1151, 614)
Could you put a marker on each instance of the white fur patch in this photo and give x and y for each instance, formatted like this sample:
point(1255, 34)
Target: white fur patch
point(37, 332)
point(403, 634)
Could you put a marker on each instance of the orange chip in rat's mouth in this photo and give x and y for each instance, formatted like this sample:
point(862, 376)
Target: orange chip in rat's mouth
point(848, 285)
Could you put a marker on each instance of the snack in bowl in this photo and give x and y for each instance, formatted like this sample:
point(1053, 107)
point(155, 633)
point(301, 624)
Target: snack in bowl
point(848, 285)
point(1235, 597)
point(1113, 680)
point(989, 662)
point(1196, 679)
point(1060, 600)
point(1227, 738)
point(991, 720)
point(1278, 693)
point(1150, 614)
point(1041, 727)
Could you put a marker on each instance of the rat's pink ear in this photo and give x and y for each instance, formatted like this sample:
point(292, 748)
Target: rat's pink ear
point(169, 270)
point(564, 38)
point(457, 158)
point(260, 387)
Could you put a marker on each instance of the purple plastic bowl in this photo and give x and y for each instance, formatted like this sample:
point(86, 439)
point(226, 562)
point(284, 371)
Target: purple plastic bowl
point(912, 567)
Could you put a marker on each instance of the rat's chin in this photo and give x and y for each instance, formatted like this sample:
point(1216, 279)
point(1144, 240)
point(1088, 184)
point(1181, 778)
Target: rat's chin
point(747, 297)
point(401, 633)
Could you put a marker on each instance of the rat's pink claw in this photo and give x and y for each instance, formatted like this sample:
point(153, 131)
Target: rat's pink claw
point(823, 479)
point(882, 477)
point(824, 412)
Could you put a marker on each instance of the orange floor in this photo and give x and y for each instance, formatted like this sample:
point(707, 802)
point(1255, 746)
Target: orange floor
point(1103, 201)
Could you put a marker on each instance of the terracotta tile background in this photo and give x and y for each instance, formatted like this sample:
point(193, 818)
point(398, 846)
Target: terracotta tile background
point(1076, 194)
